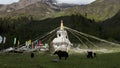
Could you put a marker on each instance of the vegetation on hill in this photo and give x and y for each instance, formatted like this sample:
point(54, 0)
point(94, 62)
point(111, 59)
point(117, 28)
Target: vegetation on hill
point(99, 10)
point(26, 28)
point(28, 24)
point(38, 10)
point(111, 27)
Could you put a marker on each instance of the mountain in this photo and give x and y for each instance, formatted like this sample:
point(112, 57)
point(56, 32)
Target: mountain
point(34, 7)
point(25, 21)
point(99, 10)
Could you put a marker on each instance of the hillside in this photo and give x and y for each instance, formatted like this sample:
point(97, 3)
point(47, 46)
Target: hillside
point(38, 12)
point(28, 7)
point(25, 28)
point(99, 10)
point(38, 18)
point(111, 27)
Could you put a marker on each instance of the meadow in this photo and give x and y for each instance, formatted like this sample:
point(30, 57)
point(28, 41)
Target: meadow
point(43, 60)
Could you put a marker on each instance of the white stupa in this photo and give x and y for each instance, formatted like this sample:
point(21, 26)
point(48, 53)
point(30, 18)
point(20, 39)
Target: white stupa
point(62, 41)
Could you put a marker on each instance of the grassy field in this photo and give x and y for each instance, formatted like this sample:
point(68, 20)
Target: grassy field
point(42, 60)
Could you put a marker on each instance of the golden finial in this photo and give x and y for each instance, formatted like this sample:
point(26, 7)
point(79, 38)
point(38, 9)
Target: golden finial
point(61, 26)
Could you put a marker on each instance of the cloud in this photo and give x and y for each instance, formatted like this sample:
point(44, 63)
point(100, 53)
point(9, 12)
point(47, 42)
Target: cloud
point(75, 1)
point(7, 1)
point(59, 1)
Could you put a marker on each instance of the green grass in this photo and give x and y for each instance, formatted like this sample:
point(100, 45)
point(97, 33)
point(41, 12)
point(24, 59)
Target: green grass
point(42, 60)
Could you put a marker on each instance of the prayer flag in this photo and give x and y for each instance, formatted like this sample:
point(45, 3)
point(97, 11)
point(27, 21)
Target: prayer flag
point(46, 45)
point(36, 42)
point(40, 43)
point(29, 42)
point(4, 40)
point(18, 42)
point(1, 39)
point(33, 46)
point(15, 41)
point(26, 44)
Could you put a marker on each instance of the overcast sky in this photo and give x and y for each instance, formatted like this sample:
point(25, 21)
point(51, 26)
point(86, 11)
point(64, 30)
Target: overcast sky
point(59, 1)
point(7, 1)
point(75, 1)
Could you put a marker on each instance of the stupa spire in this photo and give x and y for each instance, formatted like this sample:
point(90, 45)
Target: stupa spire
point(61, 26)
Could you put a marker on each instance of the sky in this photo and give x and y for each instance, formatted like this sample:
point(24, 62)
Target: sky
point(59, 1)
point(7, 1)
point(75, 1)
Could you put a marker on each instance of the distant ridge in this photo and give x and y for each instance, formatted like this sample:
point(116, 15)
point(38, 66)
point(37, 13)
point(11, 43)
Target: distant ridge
point(99, 10)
